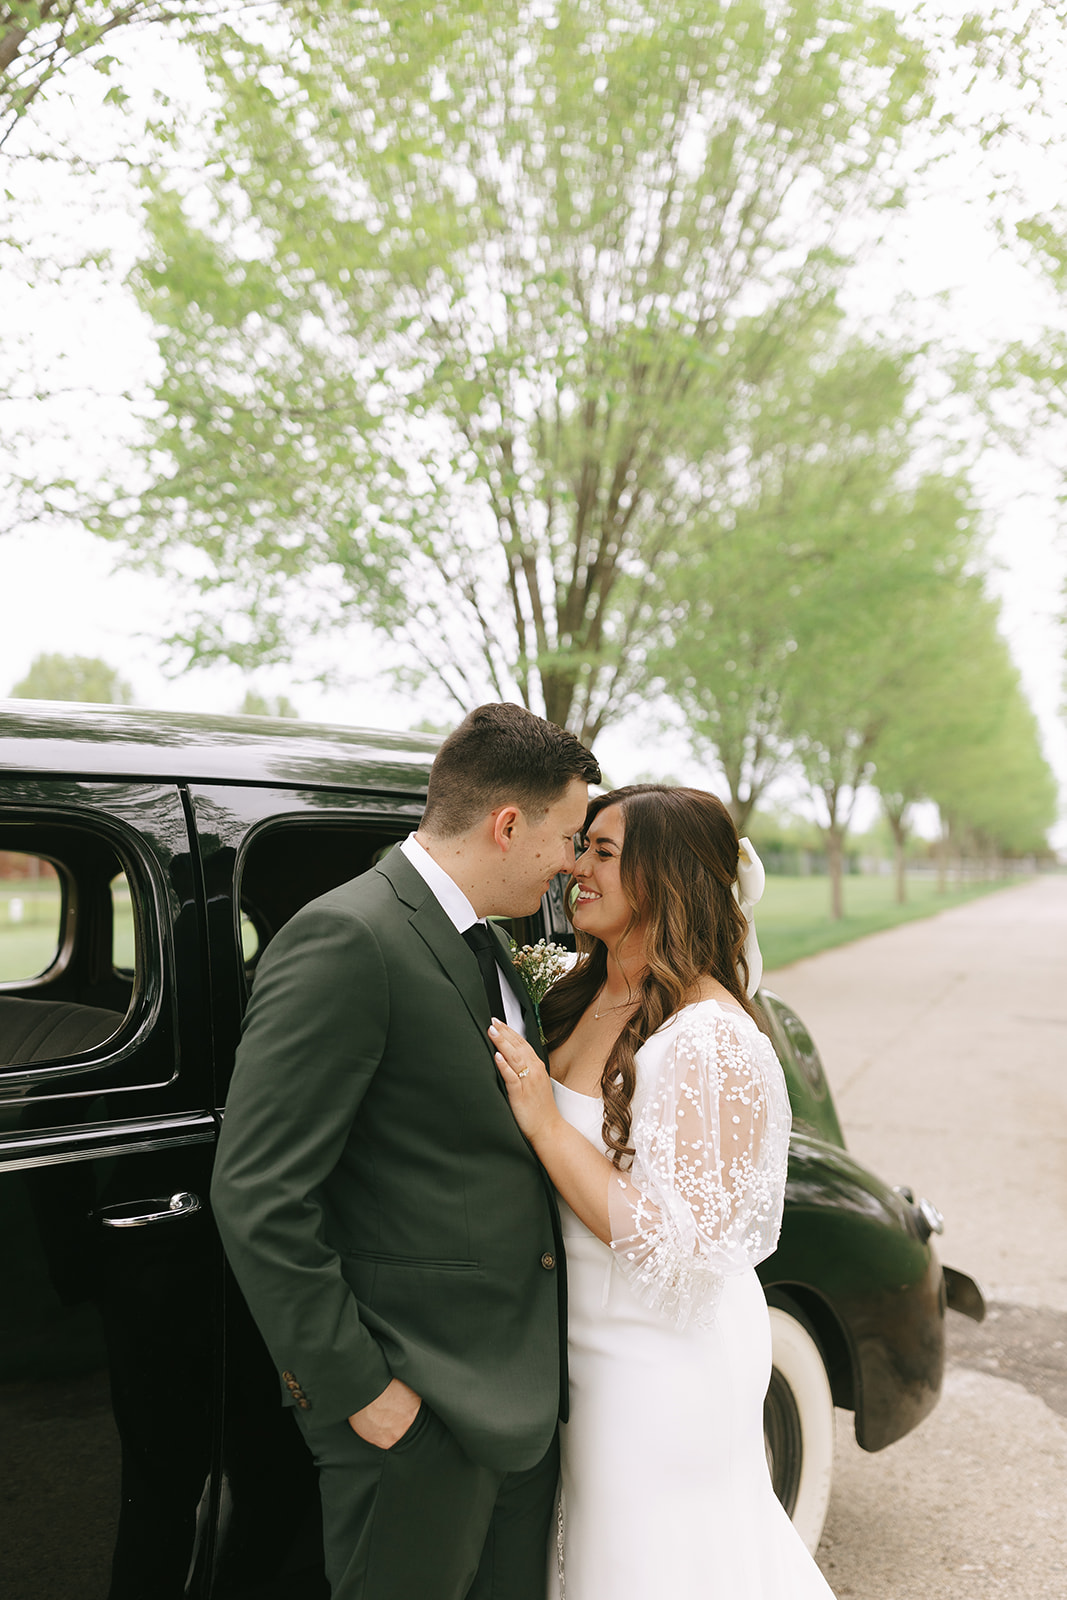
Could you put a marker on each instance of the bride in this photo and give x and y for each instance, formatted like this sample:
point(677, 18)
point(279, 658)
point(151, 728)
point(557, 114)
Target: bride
point(665, 1129)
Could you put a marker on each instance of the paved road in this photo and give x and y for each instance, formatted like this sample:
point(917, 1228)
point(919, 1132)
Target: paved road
point(945, 1042)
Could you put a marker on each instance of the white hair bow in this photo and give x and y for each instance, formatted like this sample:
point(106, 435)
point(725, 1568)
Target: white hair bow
point(748, 889)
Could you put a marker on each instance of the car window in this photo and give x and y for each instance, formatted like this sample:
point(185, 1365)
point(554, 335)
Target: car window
point(288, 863)
point(70, 962)
point(31, 915)
point(123, 929)
point(249, 940)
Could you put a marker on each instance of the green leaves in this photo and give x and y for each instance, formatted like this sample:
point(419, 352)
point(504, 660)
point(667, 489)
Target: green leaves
point(482, 310)
point(81, 678)
point(40, 39)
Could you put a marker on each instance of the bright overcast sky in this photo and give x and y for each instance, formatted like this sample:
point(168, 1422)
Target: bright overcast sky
point(58, 585)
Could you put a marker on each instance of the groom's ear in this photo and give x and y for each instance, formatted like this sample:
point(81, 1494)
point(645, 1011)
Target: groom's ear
point(505, 820)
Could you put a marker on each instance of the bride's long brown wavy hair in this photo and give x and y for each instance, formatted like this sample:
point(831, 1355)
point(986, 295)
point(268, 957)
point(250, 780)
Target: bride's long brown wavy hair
point(677, 867)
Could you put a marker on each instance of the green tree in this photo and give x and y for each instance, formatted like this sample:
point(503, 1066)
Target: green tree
point(463, 329)
point(829, 443)
point(255, 704)
point(85, 678)
point(77, 112)
point(41, 39)
point(997, 795)
point(866, 628)
point(963, 691)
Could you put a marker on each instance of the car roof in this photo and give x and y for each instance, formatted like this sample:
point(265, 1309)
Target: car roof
point(98, 741)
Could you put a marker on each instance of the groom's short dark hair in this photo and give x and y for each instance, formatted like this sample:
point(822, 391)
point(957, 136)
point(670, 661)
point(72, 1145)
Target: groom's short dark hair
point(502, 754)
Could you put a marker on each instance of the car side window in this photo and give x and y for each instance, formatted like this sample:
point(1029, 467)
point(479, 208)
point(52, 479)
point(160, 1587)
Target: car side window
point(123, 926)
point(288, 863)
point(31, 915)
point(70, 962)
point(250, 944)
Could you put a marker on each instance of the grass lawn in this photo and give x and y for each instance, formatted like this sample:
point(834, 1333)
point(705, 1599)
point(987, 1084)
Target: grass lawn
point(30, 927)
point(793, 918)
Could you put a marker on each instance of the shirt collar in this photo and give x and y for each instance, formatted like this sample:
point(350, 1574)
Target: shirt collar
point(446, 891)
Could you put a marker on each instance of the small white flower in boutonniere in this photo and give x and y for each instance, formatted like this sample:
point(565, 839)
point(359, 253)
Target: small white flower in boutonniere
point(539, 965)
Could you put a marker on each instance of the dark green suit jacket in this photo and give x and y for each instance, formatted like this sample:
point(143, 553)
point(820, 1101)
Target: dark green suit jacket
point(379, 1207)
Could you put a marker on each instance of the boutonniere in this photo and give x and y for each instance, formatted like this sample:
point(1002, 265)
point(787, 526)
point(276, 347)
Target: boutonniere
point(539, 965)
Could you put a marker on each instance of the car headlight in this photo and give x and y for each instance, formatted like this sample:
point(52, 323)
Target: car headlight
point(928, 1218)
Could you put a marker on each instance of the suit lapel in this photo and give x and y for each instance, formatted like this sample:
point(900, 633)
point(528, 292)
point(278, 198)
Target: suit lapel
point(437, 930)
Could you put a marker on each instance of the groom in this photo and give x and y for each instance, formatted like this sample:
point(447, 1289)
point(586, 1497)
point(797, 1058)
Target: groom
point(394, 1235)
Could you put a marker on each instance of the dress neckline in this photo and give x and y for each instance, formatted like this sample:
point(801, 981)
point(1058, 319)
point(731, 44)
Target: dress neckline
point(710, 1000)
point(596, 1099)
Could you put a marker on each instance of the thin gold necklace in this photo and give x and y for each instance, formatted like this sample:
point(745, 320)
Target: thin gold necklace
point(624, 1005)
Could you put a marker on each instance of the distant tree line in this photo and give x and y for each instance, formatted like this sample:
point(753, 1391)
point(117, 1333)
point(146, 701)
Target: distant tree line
point(91, 681)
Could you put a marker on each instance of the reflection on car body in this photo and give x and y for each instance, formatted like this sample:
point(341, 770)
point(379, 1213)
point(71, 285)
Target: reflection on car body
point(144, 1450)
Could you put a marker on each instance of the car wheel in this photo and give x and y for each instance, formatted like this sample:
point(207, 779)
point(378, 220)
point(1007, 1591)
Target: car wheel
point(798, 1424)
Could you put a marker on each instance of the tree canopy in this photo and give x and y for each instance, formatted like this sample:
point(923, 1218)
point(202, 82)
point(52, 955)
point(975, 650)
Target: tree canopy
point(60, 677)
point(255, 704)
point(474, 314)
point(859, 648)
point(825, 496)
point(41, 39)
point(515, 332)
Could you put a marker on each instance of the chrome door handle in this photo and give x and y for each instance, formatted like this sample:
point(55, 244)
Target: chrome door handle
point(179, 1205)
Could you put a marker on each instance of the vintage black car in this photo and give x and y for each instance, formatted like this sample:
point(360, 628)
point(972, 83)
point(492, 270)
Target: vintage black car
point(145, 861)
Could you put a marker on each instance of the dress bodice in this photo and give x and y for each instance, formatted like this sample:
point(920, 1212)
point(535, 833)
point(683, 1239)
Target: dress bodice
point(586, 1113)
point(583, 1111)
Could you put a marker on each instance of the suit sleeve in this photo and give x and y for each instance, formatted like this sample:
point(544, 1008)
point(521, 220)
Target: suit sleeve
point(313, 1037)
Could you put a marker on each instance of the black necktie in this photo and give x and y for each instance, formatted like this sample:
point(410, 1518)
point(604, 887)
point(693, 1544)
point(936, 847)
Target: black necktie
point(484, 946)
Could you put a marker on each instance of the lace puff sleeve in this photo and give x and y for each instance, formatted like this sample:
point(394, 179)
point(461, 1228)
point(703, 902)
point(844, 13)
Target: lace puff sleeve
point(703, 1197)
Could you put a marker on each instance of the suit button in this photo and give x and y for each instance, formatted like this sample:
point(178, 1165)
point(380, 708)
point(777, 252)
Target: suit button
point(288, 1376)
point(548, 1261)
point(305, 1405)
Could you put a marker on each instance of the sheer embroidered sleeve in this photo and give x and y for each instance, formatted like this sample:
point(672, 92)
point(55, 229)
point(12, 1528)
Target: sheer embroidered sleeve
point(703, 1197)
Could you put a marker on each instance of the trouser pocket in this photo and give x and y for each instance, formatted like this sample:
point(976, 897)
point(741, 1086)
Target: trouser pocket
point(404, 1522)
point(411, 1432)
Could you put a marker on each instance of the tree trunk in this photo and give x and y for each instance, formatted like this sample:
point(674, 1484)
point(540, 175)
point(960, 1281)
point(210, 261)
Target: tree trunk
point(835, 862)
point(11, 42)
point(900, 834)
point(558, 689)
point(741, 810)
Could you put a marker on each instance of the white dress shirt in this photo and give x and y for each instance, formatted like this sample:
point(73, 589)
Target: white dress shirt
point(458, 909)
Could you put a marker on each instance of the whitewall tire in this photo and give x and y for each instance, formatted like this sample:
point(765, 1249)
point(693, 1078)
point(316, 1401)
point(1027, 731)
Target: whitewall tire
point(798, 1425)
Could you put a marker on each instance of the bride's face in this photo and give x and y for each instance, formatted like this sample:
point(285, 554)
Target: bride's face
point(601, 907)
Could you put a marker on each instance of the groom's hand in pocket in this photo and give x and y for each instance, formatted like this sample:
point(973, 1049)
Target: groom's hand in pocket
point(389, 1417)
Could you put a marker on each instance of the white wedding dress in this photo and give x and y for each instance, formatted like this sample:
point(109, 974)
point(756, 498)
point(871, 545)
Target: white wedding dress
point(666, 1494)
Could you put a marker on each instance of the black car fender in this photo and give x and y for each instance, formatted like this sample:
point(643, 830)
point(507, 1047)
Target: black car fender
point(856, 1263)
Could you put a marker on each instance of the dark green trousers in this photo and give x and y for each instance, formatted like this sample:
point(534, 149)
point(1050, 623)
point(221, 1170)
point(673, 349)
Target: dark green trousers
point(423, 1522)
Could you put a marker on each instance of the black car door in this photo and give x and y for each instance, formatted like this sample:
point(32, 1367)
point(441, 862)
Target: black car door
point(265, 853)
point(109, 1325)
